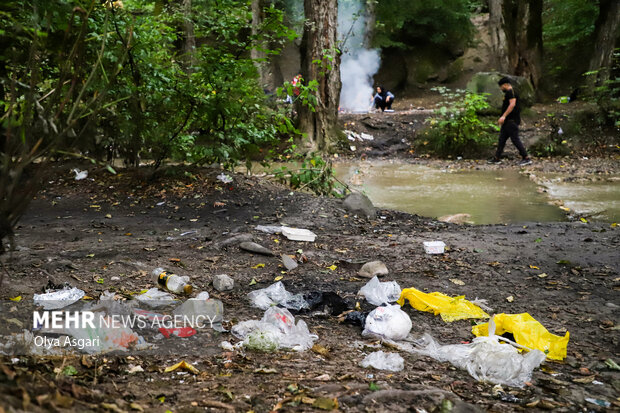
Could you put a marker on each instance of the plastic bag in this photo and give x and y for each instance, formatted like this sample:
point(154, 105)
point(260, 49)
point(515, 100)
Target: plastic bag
point(389, 322)
point(58, 299)
point(201, 312)
point(485, 359)
point(527, 332)
point(384, 361)
point(155, 298)
point(276, 294)
point(107, 336)
point(379, 293)
point(450, 308)
point(277, 329)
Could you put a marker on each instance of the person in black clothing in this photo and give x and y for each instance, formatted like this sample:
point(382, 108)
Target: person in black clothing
point(509, 122)
point(383, 99)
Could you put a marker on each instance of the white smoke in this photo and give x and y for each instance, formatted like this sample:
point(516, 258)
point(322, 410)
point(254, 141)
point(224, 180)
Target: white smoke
point(359, 64)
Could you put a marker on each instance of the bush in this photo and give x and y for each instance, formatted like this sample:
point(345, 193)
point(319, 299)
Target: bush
point(457, 128)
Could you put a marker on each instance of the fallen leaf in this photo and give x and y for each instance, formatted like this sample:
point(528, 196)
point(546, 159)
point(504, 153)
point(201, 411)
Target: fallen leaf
point(534, 267)
point(253, 281)
point(174, 260)
point(332, 267)
point(264, 370)
point(278, 278)
point(325, 403)
point(16, 299)
point(584, 380)
point(457, 281)
point(510, 299)
point(543, 275)
point(108, 216)
point(257, 266)
point(585, 221)
point(319, 349)
point(182, 365)
point(136, 406)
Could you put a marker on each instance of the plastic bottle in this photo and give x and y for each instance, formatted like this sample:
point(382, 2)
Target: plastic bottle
point(172, 282)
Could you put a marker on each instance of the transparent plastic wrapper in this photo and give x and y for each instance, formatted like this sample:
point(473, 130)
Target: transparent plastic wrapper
point(202, 312)
point(54, 300)
point(379, 293)
point(277, 329)
point(527, 332)
point(389, 322)
point(154, 297)
point(450, 308)
point(276, 294)
point(269, 229)
point(105, 338)
point(384, 361)
point(485, 358)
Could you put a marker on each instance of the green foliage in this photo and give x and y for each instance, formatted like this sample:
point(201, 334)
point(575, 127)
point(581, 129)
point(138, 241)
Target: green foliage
point(315, 174)
point(406, 24)
point(607, 94)
point(555, 144)
point(456, 128)
point(568, 26)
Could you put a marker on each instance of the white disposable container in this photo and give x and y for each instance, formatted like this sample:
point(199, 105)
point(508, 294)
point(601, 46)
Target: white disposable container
point(298, 234)
point(434, 247)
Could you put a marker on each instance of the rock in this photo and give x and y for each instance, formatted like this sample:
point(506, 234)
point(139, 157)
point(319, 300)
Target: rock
point(288, 262)
point(486, 82)
point(456, 219)
point(237, 239)
point(222, 282)
point(359, 204)
point(254, 247)
point(372, 268)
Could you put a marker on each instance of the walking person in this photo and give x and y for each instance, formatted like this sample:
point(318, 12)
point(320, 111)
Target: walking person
point(383, 99)
point(509, 122)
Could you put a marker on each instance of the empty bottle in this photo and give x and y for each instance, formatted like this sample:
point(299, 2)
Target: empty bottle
point(172, 282)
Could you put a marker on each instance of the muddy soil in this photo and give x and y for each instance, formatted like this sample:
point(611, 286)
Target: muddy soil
point(108, 232)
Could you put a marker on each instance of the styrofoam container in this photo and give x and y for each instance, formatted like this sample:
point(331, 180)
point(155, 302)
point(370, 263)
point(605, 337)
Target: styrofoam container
point(434, 247)
point(298, 234)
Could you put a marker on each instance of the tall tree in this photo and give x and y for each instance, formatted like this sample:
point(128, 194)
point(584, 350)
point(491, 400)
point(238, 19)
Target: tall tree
point(515, 27)
point(605, 35)
point(320, 62)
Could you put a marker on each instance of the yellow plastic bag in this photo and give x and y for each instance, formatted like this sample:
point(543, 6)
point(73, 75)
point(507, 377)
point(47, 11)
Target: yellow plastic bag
point(527, 332)
point(450, 308)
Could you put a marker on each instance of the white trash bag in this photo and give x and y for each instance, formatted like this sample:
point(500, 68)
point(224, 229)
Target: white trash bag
point(384, 361)
point(388, 322)
point(379, 293)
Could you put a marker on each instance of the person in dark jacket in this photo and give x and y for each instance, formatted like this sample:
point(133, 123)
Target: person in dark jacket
point(383, 99)
point(509, 123)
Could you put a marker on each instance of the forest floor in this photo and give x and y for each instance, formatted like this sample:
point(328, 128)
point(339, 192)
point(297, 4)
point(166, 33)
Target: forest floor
point(108, 232)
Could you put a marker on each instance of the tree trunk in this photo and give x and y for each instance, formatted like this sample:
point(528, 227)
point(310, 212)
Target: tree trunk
point(190, 38)
point(604, 40)
point(499, 58)
point(320, 61)
point(523, 30)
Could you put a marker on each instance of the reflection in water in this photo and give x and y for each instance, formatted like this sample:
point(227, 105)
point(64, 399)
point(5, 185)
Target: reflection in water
point(489, 197)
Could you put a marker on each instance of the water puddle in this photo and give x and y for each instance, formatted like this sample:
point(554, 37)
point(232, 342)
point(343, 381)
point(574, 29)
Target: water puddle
point(488, 197)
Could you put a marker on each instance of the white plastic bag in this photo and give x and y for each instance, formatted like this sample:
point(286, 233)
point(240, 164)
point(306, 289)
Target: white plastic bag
point(154, 297)
point(379, 293)
point(276, 294)
point(389, 322)
point(384, 361)
point(277, 329)
point(56, 300)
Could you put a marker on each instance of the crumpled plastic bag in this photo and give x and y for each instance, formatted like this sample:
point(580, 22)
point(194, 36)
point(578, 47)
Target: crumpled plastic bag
point(450, 308)
point(154, 297)
point(276, 294)
point(379, 293)
point(104, 338)
point(485, 358)
point(527, 332)
point(277, 329)
point(389, 322)
point(384, 361)
point(55, 300)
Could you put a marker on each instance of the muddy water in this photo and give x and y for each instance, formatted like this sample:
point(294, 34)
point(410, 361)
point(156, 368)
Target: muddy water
point(489, 197)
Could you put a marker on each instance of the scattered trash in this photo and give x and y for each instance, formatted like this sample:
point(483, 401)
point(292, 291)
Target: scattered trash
point(269, 229)
point(434, 247)
point(298, 234)
point(182, 332)
point(154, 297)
point(356, 318)
point(289, 263)
point(79, 175)
point(485, 359)
point(373, 268)
point(450, 308)
point(276, 294)
point(105, 337)
point(390, 322)
point(527, 332)
point(54, 300)
point(182, 365)
point(277, 329)
point(172, 282)
point(598, 402)
point(223, 282)
point(134, 369)
point(328, 302)
point(202, 312)
point(224, 178)
point(254, 247)
point(379, 293)
point(384, 361)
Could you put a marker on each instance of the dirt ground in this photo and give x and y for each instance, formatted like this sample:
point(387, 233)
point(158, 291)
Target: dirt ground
point(108, 232)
